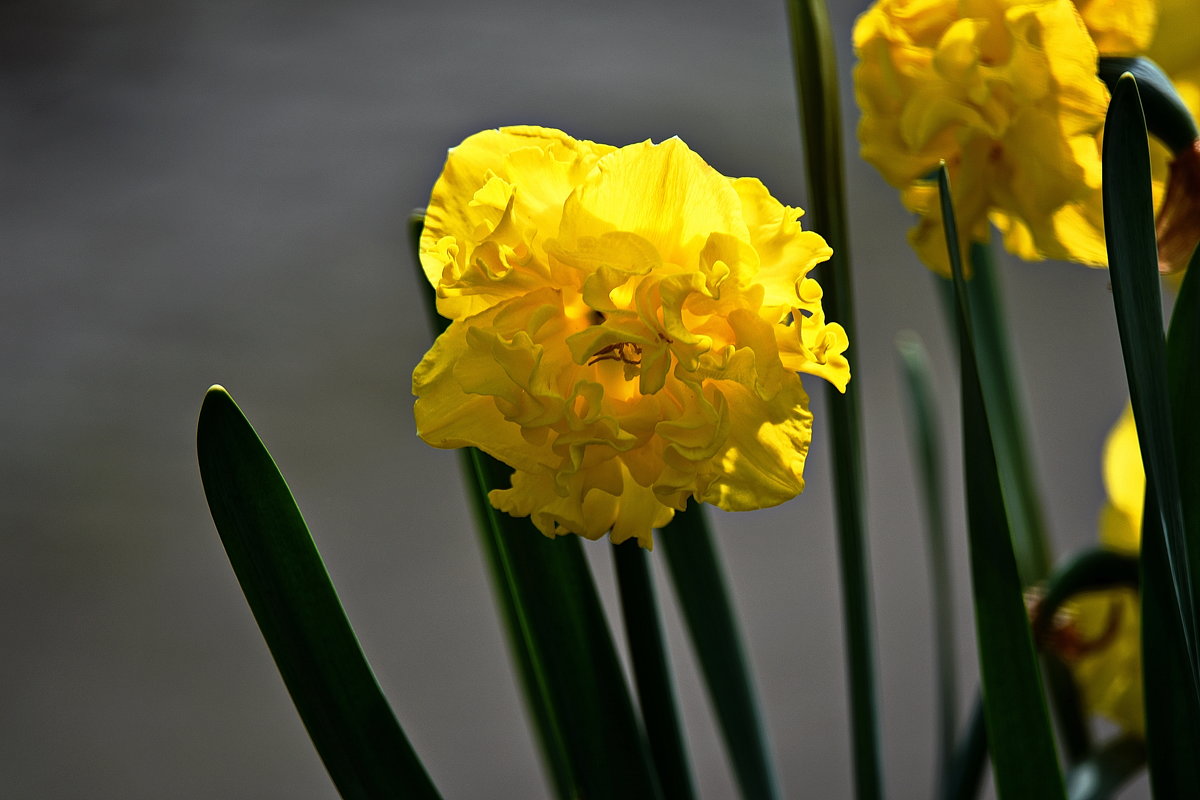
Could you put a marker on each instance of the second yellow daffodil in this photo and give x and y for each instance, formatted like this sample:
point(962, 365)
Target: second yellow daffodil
point(1006, 93)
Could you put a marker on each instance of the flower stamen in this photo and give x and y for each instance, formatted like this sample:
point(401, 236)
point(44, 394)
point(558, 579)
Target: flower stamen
point(619, 351)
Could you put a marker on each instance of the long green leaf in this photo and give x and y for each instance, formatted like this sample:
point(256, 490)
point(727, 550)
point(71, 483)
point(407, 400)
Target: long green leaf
point(589, 731)
point(1133, 266)
point(1018, 478)
point(652, 669)
point(1006, 419)
point(696, 573)
point(1019, 734)
point(299, 613)
point(923, 427)
point(815, 66)
point(1172, 716)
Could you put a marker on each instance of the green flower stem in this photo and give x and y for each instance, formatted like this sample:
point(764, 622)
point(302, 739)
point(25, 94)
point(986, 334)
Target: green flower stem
point(918, 378)
point(964, 779)
point(696, 573)
point(652, 670)
point(815, 69)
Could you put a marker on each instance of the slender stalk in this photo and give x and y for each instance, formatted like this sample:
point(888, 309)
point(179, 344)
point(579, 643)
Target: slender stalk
point(964, 779)
point(695, 570)
point(816, 82)
point(923, 427)
point(652, 670)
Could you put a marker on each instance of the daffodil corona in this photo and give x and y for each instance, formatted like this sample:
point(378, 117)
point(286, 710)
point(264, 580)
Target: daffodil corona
point(1005, 92)
point(627, 328)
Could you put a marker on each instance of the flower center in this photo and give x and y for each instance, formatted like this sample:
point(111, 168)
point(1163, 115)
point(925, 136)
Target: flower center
point(625, 352)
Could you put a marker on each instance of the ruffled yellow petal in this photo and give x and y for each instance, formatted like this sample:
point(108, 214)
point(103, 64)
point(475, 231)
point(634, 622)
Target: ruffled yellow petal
point(630, 325)
point(664, 193)
point(762, 462)
point(1006, 94)
point(497, 188)
point(1120, 27)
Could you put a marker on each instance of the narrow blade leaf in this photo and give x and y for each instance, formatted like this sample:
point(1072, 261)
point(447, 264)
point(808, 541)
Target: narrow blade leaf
point(700, 586)
point(1133, 265)
point(652, 669)
point(299, 613)
point(1006, 419)
point(1019, 734)
point(1172, 716)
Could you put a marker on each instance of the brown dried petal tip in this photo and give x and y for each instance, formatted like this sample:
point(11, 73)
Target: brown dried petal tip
point(1178, 224)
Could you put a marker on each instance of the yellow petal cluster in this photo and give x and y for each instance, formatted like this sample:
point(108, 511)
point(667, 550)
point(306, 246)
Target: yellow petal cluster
point(627, 328)
point(1005, 92)
point(1176, 48)
point(1108, 667)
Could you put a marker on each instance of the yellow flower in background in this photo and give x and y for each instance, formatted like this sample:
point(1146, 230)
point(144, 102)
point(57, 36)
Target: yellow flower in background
point(1006, 93)
point(1125, 482)
point(1099, 635)
point(1120, 27)
point(1177, 50)
point(622, 330)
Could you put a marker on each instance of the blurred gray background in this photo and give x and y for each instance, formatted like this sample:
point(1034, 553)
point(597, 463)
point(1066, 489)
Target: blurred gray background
point(216, 192)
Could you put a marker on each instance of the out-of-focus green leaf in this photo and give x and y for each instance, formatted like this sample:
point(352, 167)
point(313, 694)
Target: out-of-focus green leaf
point(1019, 734)
point(590, 733)
point(923, 428)
point(964, 778)
point(700, 586)
point(299, 613)
point(814, 61)
point(1103, 774)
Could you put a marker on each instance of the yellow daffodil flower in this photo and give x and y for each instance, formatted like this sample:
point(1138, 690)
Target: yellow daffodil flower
point(1177, 50)
point(1098, 634)
point(1006, 93)
point(627, 328)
